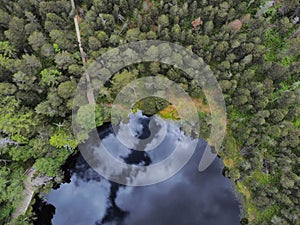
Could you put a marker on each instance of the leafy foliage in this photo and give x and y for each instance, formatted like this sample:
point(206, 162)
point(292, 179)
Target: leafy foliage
point(49, 76)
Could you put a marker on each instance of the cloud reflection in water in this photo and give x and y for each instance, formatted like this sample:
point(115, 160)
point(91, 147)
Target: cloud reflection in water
point(188, 198)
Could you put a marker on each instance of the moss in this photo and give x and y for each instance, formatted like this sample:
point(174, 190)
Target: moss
point(169, 112)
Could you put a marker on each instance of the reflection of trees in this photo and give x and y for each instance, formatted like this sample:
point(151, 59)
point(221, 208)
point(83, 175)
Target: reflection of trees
point(114, 213)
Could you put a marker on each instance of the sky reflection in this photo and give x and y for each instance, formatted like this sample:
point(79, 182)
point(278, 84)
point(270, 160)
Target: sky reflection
point(188, 198)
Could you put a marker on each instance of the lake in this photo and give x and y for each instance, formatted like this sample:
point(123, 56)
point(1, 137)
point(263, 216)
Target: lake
point(189, 197)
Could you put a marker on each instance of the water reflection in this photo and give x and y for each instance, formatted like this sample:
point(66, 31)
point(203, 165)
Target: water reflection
point(188, 198)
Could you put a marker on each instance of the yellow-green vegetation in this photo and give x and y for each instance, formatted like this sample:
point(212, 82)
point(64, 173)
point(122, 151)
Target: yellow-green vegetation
point(261, 178)
point(155, 105)
point(231, 155)
point(60, 139)
point(170, 112)
point(297, 123)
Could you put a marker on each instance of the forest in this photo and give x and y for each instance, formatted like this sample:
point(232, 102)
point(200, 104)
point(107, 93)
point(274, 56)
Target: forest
point(252, 47)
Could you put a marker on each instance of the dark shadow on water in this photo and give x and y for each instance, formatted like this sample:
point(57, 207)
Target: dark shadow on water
point(45, 212)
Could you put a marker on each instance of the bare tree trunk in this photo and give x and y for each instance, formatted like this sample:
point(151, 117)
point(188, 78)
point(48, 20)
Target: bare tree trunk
point(5, 161)
point(90, 94)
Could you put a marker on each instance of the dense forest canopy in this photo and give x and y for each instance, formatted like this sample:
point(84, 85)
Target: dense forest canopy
point(252, 47)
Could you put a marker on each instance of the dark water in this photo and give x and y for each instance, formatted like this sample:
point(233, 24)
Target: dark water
point(188, 198)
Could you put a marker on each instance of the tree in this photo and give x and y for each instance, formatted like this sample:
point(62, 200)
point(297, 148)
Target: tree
point(277, 115)
point(53, 106)
point(163, 21)
point(32, 23)
point(133, 35)
point(208, 27)
point(16, 120)
point(50, 76)
point(36, 40)
point(54, 22)
point(10, 191)
point(88, 117)
point(64, 59)
point(49, 166)
point(28, 68)
point(4, 19)
point(294, 47)
point(61, 139)
point(94, 43)
point(67, 89)
point(15, 33)
point(103, 38)
point(7, 89)
point(123, 78)
point(176, 32)
point(64, 39)
point(47, 50)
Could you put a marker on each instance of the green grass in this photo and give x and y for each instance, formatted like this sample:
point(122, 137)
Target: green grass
point(277, 46)
point(235, 114)
point(287, 60)
point(202, 115)
point(274, 43)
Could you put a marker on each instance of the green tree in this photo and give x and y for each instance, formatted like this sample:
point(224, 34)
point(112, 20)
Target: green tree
point(163, 21)
point(54, 22)
point(36, 40)
point(47, 50)
point(65, 40)
point(15, 33)
point(53, 106)
point(50, 76)
point(133, 35)
point(61, 139)
point(176, 32)
point(64, 59)
point(7, 89)
point(123, 78)
point(16, 121)
point(67, 89)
